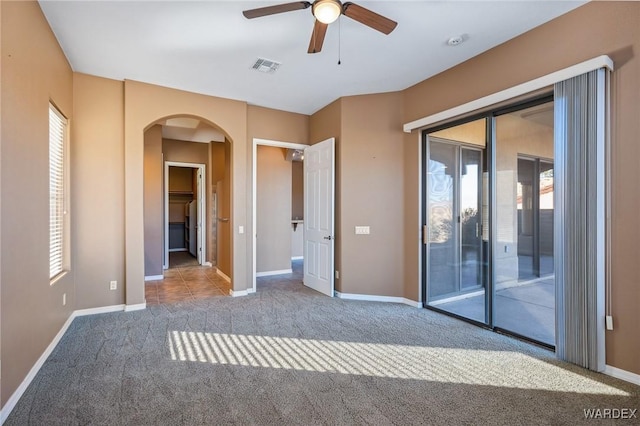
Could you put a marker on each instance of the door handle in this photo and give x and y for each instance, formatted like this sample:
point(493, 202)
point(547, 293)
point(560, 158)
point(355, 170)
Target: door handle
point(328, 238)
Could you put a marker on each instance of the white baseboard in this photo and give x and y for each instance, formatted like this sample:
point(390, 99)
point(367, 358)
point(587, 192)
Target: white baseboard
point(374, 298)
point(271, 273)
point(154, 277)
point(101, 310)
point(251, 290)
point(137, 307)
point(177, 249)
point(209, 264)
point(618, 373)
point(238, 293)
point(223, 275)
point(297, 258)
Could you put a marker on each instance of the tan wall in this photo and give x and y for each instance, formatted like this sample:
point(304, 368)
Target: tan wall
point(180, 178)
point(224, 230)
point(97, 185)
point(217, 161)
point(611, 28)
point(273, 207)
point(34, 71)
point(371, 180)
point(153, 202)
point(324, 124)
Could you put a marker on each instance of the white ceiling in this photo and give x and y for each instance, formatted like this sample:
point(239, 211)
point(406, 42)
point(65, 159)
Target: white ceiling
point(209, 47)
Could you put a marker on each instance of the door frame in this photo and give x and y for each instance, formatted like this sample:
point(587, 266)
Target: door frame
point(201, 220)
point(254, 195)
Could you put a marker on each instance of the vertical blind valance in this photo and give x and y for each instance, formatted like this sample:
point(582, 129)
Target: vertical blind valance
point(580, 206)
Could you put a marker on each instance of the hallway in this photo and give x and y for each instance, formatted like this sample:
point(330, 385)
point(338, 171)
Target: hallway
point(186, 283)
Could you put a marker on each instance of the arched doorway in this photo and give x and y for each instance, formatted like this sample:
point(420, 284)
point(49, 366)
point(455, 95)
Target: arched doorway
point(144, 106)
point(186, 210)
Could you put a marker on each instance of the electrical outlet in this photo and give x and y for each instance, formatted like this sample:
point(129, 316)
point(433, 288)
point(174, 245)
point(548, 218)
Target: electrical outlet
point(337, 275)
point(113, 285)
point(64, 299)
point(609, 319)
point(363, 230)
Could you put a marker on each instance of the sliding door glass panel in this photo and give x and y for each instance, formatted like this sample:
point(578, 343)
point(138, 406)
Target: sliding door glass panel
point(443, 247)
point(470, 224)
point(455, 272)
point(525, 217)
point(524, 286)
point(546, 218)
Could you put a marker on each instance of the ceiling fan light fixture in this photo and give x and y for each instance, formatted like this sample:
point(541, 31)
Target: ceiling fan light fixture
point(326, 11)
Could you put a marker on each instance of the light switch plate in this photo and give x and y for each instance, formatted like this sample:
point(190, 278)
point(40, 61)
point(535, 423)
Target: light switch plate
point(363, 230)
point(240, 229)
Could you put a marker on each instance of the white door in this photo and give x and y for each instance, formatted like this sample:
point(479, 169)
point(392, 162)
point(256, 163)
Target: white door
point(319, 178)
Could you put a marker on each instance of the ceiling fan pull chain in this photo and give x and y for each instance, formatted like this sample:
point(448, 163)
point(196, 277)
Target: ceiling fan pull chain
point(339, 40)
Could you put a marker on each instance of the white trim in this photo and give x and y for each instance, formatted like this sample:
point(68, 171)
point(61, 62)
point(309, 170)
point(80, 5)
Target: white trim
point(375, 298)
point(254, 185)
point(513, 92)
point(271, 273)
point(17, 394)
point(601, 169)
point(100, 310)
point(207, 263)
point(137, 307)
point(223, 275)
point(238, 293)
point(618, 373)
point(154, 277)
point(297, 258)
point(175, 250)
point(202, 203)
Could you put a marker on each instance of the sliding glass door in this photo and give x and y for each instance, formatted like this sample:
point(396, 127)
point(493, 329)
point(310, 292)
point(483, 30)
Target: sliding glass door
point(499, 275)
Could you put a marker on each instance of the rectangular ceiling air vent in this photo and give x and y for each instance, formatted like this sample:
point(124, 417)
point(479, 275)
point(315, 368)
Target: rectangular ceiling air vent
point(266, 65)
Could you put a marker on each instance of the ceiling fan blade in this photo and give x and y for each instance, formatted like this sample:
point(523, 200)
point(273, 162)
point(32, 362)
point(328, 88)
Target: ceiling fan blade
point(317, 37)
point(272, 10)
point(369, 18)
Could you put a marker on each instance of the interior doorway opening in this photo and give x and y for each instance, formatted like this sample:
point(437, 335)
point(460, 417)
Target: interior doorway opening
point(187, 197)
point(278, 209)
point(185, 225)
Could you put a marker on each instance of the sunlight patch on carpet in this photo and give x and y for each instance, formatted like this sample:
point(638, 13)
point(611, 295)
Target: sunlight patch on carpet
point(446, 365)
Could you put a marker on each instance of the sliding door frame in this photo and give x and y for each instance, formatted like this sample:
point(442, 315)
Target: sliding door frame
point(490, 147)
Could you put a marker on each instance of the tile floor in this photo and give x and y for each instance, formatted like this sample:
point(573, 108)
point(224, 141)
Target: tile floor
point(186, 283)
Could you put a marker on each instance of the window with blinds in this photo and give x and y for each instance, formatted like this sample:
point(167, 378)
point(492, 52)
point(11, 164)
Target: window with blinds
point(57, 137)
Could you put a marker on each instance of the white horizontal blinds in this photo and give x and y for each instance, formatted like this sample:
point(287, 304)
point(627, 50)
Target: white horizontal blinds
point(579, 156)
point(57, 134)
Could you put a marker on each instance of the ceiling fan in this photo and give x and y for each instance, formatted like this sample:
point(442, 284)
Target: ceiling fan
point(326, 12)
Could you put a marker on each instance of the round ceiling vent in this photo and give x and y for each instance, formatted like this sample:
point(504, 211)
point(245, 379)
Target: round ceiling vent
point(454, 41)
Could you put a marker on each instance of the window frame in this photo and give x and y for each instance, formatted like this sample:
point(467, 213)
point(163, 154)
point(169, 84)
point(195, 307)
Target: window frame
point(63, 249)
